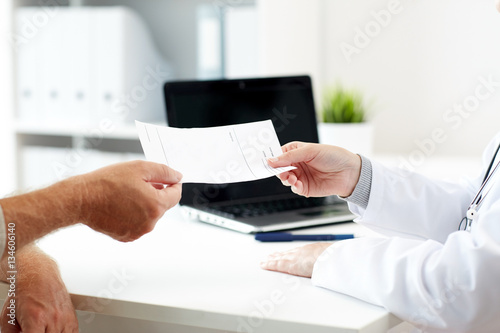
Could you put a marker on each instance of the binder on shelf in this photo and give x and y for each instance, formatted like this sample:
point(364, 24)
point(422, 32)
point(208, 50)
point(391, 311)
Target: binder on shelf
point(51, 82)
point(127, 92)
point(92, 64)
point(28, 67)
point(77, 47)
point(109, 66)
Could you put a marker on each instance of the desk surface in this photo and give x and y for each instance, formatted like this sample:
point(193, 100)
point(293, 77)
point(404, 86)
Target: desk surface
point(190, 273)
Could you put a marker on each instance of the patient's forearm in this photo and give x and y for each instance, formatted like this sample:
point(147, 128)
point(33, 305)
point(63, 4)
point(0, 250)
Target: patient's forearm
point(29, 259)
point(37, 298)
point(35, 214)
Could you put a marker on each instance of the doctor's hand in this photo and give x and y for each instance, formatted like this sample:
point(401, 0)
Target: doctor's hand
point(126, 200)
point(42, 303)
point(299, 261)
point(322, 170)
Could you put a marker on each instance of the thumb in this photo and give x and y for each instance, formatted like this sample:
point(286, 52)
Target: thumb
point(302, 154)
point(162, 174)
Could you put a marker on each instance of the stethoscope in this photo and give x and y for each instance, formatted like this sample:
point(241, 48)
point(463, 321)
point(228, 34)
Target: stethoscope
point(484, 189)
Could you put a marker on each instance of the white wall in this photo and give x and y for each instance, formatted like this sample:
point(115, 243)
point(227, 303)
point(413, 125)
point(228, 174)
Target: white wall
point(291, 39)
point(426, 59)
point(241, 42)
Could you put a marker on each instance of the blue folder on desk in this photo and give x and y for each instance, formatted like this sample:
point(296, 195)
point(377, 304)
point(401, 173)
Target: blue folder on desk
point(263, 205)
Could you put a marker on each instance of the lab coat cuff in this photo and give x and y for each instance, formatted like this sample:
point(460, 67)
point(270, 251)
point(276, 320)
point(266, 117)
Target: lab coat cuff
point(2, 232)
point(361, 194)
point(324, 268)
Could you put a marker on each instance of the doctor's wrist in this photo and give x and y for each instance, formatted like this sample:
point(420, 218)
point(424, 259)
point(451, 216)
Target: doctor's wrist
point(350, 175)
point(361, 193)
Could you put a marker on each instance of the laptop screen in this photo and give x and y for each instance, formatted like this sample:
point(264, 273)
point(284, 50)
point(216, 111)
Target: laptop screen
point(287, 101)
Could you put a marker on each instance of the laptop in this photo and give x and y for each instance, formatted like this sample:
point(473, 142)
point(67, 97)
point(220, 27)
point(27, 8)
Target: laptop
point(263, 205)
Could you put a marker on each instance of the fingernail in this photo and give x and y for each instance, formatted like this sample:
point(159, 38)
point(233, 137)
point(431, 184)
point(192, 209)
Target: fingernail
point(178, 175)
point(272, 159)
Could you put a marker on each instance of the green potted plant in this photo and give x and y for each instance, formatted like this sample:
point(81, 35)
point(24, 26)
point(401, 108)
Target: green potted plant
point(343, 106)
point(344, 121)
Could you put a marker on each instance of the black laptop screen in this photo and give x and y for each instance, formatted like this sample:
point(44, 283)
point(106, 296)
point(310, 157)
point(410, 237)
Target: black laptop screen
point(287, 101)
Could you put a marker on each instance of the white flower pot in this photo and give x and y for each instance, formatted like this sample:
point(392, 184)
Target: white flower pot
point(356, 137)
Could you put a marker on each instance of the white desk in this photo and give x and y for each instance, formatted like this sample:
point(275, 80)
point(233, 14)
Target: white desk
point(187, 276)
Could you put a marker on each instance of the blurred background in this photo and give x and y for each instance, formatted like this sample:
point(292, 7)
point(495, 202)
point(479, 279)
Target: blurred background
point(75, 74)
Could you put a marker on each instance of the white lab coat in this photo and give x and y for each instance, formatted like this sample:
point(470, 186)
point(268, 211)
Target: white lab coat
point(427, 272)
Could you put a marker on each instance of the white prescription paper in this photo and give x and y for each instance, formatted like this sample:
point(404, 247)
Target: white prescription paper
point(215, 155)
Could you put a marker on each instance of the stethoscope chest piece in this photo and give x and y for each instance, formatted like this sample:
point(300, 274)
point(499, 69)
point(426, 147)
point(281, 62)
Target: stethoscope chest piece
point(472, 214)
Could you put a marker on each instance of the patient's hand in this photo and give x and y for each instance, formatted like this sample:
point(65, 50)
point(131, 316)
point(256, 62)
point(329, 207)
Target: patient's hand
point(126, 200)
point(299, 261)
point(123, 201)
point(41, 299)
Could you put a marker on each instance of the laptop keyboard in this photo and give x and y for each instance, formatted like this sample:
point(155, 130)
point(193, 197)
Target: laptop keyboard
point(268, 207)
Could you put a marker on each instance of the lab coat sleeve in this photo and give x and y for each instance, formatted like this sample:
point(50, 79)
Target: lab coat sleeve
point(450, 287)
point(409, 205)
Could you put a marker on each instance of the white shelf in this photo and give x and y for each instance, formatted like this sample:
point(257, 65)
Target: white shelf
point(125, 132)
